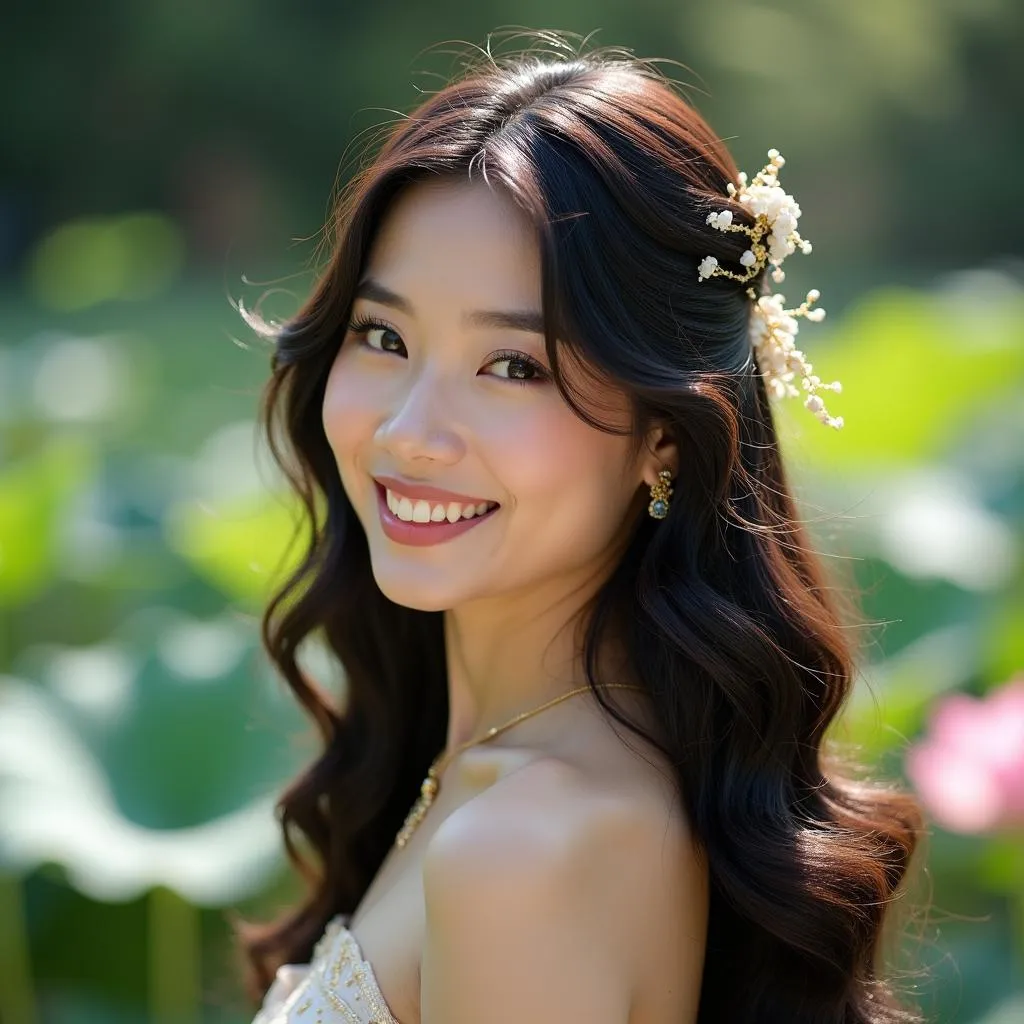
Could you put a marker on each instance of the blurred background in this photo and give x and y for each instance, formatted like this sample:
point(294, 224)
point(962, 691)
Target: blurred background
point(162, 160)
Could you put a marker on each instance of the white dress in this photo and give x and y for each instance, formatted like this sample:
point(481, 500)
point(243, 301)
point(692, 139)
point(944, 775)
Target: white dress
point(337, 986)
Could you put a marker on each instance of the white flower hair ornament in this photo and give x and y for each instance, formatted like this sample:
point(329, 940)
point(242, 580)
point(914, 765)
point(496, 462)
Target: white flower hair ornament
point(773, 328)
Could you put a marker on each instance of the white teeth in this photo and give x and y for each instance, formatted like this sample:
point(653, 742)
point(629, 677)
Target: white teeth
point(422, 511)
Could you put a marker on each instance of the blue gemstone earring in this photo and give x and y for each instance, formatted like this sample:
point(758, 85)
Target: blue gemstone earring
point(661, 491)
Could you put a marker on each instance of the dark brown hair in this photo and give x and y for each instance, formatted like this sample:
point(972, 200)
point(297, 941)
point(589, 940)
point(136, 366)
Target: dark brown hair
point(728, 617)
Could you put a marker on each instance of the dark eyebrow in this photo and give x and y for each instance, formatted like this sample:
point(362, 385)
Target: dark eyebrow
point(515, 320)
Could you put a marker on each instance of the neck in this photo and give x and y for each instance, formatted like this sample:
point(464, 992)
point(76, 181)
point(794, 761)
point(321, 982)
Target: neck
point(500, 666)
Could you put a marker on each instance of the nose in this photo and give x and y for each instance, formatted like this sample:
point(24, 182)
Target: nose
point(419, 428)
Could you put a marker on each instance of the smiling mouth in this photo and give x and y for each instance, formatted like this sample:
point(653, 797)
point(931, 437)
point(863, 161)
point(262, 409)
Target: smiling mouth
point(420, 512)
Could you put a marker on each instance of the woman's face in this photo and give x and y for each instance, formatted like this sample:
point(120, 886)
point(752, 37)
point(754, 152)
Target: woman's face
point(430, 391)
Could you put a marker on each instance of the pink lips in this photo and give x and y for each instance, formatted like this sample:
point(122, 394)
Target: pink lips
point(413, 490)
point(422, 534)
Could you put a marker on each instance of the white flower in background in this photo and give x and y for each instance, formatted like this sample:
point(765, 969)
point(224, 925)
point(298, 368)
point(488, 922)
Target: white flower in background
point(932, 524)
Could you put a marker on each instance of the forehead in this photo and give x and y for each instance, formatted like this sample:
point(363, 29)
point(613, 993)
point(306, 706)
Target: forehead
point(451, 236)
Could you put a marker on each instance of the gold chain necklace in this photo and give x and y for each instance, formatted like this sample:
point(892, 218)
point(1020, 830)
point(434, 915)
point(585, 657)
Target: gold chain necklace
point(432, 782)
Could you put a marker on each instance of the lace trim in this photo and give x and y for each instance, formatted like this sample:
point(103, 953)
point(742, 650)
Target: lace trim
point(288, 987)
point(346, 958)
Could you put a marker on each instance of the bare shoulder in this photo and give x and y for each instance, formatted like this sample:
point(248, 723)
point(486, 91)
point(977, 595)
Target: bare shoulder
point(524, 810)
point(552, 875)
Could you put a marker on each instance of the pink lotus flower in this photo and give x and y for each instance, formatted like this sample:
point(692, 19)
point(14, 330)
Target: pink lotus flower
point(969, 769)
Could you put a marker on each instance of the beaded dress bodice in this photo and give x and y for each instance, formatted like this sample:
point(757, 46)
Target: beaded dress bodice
point(337, 986)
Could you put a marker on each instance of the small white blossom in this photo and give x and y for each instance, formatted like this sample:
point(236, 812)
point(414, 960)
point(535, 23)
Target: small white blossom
point(773, 331)
point(773, 328)
point(707, 267)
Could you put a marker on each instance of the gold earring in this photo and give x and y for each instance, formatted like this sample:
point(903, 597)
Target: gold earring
point(661, 491)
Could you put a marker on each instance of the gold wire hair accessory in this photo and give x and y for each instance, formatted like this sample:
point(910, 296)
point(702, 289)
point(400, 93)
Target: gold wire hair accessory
point(661, 491)
point(773, 328)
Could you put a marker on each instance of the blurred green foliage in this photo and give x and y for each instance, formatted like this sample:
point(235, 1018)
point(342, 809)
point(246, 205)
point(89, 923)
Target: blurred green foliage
point(156, 155)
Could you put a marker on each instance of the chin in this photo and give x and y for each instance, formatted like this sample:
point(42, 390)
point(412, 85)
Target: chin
point(408, 595)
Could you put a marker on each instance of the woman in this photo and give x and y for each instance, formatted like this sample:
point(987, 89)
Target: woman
point(579, 771)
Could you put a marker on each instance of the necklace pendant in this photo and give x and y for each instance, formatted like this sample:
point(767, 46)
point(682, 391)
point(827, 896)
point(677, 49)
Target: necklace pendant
point(427, 792)
point(429, 786)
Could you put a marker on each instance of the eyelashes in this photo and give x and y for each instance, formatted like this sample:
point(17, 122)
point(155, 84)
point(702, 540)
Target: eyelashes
point(513, 356)
point(361, 326)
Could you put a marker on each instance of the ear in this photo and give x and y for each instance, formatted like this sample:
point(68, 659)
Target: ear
point(660, 452)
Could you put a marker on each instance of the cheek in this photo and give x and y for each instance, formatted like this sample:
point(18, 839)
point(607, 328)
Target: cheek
point(563, 470)
point(347, 410)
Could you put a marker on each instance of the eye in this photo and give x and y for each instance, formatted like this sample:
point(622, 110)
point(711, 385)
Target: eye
point(523, 368)
point(367, 327)
point(522, 362)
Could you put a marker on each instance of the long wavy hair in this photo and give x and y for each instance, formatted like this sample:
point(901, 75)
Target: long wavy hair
point(729, 620)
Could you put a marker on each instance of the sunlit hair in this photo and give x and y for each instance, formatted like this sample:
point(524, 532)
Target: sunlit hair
point(728, 617)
